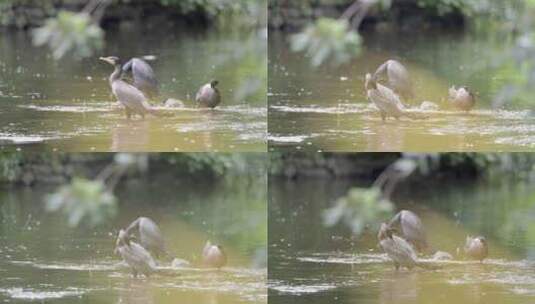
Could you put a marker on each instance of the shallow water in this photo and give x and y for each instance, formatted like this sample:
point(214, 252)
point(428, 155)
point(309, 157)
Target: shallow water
point(327, 109)
point(313, 264)
point(67, 105)
point(43, 260)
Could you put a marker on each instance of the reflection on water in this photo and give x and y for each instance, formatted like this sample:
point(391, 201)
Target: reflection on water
point(327, 109)
point(44, 260)
point(312, 264)
point(67, 105)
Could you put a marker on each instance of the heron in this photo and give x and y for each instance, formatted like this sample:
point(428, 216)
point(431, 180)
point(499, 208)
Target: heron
point(397, 78)
point(385, 99)
point(462, 98)
point(143, 76)
point(412, 229)
point(150, 236)
point(213, 256)
point(208, 95)
point(135, 255)
point(134, 101)
point(476, 247)
point(398, 249)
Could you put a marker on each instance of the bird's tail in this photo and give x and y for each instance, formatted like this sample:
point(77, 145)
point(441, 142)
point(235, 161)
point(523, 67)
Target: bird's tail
point(428, 265)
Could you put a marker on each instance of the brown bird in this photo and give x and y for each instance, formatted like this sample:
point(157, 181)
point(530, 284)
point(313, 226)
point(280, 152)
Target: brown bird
point(213, 256)
point(462, 98)
point(476, 247)
point(208, 95)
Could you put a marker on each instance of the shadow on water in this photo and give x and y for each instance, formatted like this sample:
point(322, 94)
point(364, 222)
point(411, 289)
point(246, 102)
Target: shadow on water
point(312, 264)
point(42, 259)
point(67, 105)
point(327, 109)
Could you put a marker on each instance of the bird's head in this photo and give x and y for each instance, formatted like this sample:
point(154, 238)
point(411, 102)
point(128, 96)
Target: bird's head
point(122, 240)
point(214, 83)
point(113, 60)
point(386, 231)
point(370, 82)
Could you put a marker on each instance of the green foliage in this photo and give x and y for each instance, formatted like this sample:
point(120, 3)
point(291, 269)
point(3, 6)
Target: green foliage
point(214, 165)
point(443, 7)
point(84, 201)
point(70, 32)
point(361, 207)
point(327, 39)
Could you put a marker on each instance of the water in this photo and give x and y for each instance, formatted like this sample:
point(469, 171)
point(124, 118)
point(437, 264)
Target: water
point(44, 261)
point(313, 264)
point(327, 109)
point(67, 105)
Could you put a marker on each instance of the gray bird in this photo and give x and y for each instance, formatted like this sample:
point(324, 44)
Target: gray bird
point(411, 228)
point(129, 96)
point(143, 77)
point(385, 99)
point(150, 236)
point(476, 248)
point(137, 257)
point(208, 95)
point(213, 256)
point(461, 98)
point(399, 250)
point(397, 78)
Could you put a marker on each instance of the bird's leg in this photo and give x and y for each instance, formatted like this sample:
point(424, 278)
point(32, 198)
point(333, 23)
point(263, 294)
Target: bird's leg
point(383, 116)
point(396, 265)
point(134, 273)
point(128, 113)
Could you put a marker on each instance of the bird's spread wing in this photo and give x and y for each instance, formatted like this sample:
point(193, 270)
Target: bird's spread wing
point(142, 71)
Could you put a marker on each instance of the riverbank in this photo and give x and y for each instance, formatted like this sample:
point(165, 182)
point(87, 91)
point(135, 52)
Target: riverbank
point(121, 13)
point(403, 15)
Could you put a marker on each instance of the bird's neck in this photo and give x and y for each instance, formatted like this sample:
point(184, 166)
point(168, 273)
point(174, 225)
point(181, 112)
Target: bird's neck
point(116, 75)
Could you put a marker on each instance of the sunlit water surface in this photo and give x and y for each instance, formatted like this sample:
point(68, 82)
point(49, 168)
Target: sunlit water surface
point(67, 105)
point(45, 261)
point(313, 264)
point(326, 109)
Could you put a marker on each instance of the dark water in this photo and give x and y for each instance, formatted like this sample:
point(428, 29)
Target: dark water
point(313, 264)
point(326, 109)
point(67, 105)
point(45, 261)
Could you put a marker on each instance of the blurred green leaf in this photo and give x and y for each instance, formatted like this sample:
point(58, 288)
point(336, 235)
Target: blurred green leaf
point(83, 201)
point(69, 32)
point(360, 208)
point(327, 40)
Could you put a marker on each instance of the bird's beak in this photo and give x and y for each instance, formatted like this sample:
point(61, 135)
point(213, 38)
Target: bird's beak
point(105, 59)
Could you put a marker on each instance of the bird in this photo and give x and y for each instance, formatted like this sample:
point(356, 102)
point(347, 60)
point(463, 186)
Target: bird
point(412, 229)
point(398, 249)
point(143, 76)
point(385, 99)
point(134, 101)
point(208, 95)
point(150, 236)
point(397, 78)
point(476, 247)
point(462, 98)
point(135, 255)
point(213, 256)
